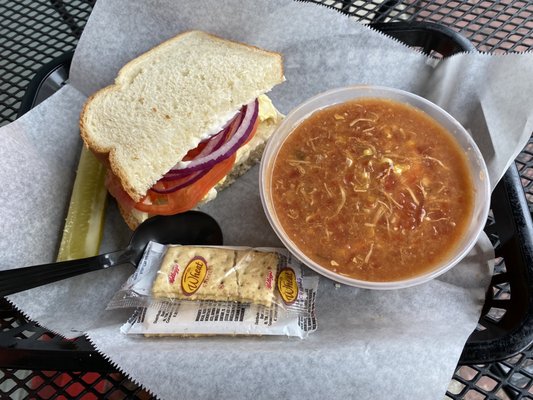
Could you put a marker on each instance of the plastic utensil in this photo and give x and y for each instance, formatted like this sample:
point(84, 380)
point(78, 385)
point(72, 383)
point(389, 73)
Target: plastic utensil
point(193, 227)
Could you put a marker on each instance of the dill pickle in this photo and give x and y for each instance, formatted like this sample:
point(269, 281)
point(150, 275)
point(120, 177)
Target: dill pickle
point(83, 227)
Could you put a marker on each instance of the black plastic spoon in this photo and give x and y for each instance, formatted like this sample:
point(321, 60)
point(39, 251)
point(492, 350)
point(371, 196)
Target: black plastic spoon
point(193, 227)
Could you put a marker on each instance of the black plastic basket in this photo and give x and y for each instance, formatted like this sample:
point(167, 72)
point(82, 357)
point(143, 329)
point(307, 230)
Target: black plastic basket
point(505, 327)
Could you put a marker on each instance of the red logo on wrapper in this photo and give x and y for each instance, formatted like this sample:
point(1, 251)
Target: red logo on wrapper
point(269, 280)
point(173, 273)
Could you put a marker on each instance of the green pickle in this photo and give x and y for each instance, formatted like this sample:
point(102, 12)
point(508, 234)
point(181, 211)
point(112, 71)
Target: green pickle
point(82, 233)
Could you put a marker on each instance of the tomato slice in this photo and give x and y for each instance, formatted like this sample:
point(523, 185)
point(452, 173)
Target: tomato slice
point(191, 155)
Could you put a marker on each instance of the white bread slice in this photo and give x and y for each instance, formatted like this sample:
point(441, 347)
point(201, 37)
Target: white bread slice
point(247, 157)
point(166, 101)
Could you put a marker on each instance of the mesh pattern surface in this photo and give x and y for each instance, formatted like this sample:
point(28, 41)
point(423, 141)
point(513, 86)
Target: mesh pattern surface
point(57, 385)
point(35, 32)
point(524, 162)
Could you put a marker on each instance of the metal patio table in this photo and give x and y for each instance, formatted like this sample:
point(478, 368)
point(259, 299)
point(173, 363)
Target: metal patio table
point(37, 39)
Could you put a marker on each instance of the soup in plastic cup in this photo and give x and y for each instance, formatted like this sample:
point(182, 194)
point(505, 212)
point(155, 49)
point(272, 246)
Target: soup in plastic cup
point(374, 187)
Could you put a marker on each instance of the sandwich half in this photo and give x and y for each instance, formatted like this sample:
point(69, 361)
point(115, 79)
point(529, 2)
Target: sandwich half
point(181, 122)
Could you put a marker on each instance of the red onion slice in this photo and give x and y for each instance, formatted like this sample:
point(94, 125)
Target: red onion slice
point(178, 183)
point(249, 114)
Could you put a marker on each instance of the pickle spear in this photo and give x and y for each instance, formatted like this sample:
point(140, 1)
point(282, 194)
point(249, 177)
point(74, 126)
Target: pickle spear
point(83, 229)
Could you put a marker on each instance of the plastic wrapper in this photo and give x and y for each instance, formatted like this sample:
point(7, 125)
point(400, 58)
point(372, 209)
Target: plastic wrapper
point(210, 290)
point(200, 318)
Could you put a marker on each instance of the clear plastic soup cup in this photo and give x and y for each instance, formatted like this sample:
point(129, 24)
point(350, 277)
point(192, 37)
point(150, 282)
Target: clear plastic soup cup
point(479, 175)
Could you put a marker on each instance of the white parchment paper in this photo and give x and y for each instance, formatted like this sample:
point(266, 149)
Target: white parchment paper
point(400, 344)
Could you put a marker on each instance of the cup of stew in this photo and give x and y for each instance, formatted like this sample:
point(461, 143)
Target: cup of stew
point(374, 187)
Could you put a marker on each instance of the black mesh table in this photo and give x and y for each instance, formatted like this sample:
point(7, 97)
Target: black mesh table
point(37, 40)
